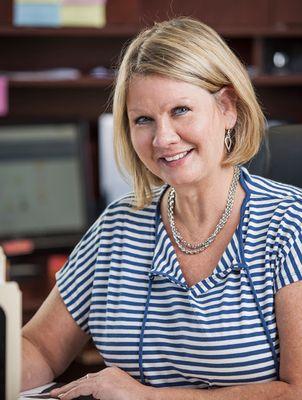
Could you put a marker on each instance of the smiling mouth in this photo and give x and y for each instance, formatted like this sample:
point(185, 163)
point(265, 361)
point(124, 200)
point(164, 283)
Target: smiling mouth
point(177, 157)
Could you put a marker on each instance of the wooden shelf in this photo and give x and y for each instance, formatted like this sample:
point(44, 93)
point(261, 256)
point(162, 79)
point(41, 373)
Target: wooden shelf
point(278, 80)
point(252, 32)
point(116, 30)
point(84, 82)
point(89, 82)
point(128, 30)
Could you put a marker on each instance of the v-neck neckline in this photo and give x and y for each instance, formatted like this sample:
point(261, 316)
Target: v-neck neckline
point(166, 263)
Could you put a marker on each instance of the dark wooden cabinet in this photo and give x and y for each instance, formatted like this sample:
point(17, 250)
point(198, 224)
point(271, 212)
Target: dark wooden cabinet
point(234, 14)
point(287, 14)
point(256, 30)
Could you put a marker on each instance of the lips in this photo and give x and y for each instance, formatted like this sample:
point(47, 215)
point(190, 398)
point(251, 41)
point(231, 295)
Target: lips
point(176, 157)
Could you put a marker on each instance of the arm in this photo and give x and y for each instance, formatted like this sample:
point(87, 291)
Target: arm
point(113, 383)
point(50, 341)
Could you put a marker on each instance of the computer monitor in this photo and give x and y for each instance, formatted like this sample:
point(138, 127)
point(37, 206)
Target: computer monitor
point(46, 188)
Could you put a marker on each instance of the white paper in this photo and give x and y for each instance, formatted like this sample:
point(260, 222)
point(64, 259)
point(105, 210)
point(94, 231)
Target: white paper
point(2, 266)
point(10, 303)
point(36, 390)
point(112, 184)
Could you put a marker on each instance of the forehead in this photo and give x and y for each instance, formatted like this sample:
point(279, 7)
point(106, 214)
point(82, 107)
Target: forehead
point(158, 90)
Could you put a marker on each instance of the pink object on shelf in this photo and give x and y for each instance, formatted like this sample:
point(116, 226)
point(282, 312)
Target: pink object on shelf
point(3, 96)
point(17, 247)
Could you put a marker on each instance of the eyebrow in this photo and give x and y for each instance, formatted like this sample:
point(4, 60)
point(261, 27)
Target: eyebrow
point(136, 110)
point(139, 110)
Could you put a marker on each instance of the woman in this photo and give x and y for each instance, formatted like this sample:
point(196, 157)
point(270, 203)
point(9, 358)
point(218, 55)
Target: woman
point(195, 284)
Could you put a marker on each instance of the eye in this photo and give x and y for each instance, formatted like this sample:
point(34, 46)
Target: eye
point(181, 110)
point(142, 120)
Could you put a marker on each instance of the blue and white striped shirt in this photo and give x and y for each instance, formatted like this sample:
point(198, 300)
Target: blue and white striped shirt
point(123, 285)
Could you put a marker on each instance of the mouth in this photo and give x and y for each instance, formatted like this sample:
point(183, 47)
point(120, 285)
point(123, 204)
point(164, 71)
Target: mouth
point(176, 157)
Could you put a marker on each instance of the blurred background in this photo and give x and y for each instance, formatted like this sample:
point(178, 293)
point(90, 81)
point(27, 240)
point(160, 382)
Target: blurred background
point(57, 64)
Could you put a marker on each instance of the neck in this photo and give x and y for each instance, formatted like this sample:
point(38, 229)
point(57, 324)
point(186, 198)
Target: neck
point(203, 205)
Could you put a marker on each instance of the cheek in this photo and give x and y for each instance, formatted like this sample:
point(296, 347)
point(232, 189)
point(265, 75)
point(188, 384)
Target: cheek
point(214, 133)
point(140, 143)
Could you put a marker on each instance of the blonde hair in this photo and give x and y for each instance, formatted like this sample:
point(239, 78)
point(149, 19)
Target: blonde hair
point(190, 51)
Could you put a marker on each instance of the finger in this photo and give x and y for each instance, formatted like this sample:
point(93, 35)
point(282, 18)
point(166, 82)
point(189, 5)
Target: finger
point(64, 389)
point(88, 376)
point(83, 389)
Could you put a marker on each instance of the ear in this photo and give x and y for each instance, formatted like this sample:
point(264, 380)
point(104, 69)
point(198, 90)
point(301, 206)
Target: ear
point(227, 102)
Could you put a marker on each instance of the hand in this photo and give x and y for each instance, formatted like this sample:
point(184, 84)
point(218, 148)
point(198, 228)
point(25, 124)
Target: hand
point(111, 383)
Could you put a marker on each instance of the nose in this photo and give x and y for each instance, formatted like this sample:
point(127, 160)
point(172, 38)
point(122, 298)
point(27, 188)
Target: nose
point(165, 133)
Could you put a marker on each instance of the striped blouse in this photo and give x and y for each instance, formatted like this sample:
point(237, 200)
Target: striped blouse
point(123, 285)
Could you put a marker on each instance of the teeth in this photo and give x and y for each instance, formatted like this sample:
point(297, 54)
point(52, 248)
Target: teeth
point(177, 157)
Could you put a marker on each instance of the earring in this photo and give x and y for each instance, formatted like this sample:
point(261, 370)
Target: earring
point(228, 140)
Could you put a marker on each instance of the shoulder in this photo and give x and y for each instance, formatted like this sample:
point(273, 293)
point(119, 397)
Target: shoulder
point(123, 210)
point(262, 187)
point(119, 219)
point(278, 203)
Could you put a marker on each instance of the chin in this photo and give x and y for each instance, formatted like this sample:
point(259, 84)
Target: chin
point(178, 182)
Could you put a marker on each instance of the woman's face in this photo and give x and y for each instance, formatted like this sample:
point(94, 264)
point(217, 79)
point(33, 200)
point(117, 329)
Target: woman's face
point(177, 129)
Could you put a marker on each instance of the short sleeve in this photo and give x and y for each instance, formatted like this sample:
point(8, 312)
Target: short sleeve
point(289, 269)
point(75, 279)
